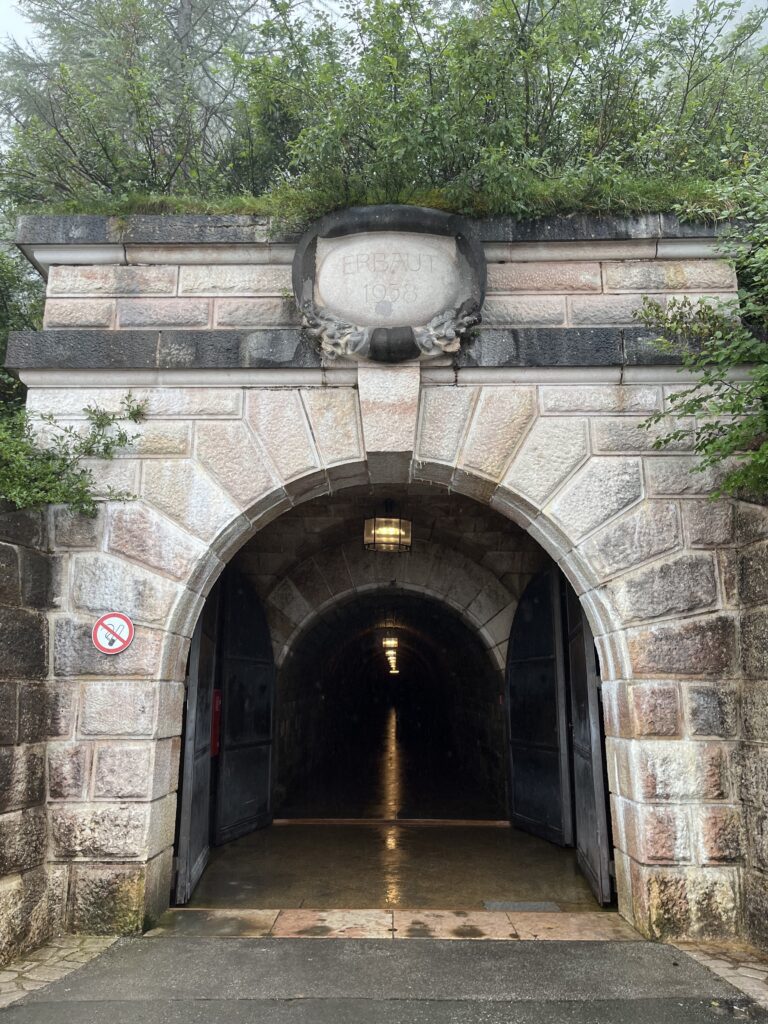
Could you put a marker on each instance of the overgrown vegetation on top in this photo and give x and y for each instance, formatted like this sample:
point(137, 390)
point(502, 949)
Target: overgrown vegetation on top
point(482, 106)
point(521, 107)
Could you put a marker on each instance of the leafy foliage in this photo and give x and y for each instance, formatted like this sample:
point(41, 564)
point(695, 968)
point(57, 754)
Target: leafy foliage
point(485, 106)
point(35, 471)
point(725, 346)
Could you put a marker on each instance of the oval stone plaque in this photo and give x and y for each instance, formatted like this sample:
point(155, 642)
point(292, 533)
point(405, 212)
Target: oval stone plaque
point(387, 278)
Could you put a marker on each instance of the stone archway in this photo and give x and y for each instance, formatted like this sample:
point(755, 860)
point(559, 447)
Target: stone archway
point(566, 462)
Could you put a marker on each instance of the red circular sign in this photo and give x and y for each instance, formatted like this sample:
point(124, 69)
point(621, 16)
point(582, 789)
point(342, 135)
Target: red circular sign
point(112, 633)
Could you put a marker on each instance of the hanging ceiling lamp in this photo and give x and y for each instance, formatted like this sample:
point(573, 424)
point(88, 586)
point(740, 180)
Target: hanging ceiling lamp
point(388, 532)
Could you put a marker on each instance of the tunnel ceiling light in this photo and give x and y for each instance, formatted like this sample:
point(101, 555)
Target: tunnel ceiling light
point(388, 532)
point(390, 642)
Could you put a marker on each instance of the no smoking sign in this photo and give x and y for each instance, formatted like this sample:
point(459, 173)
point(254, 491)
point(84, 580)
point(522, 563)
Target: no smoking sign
point(112, 633)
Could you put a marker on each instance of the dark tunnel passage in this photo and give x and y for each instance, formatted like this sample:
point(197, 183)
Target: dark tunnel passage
point(356, 740)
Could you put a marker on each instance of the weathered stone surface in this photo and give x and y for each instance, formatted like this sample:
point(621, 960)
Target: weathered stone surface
point(652, 834)
point(443, 416)
point(21, 526)
point(756, 906)
point(334, 419)
point(711, 709)
point(8, 712)
point(596, 493)
point(71, 530)
point(628, 434)
point(162, 824)
point(677, 475)
point(23, 644)
point(544, 276)
point(112, 280)
point(183, 403)
point(501, 417)
point(99, 830)
point(646, 532)
point(107, 899)
point(119, 475)
point(118, 708)
point(46, 711)
point(170, 709)
point(231, 279)
point(751, 522)
point(550, 453)
point(753, 575)
point(279, 421)
point(162, 313)
point(101, 582)
point(389, 403)
point(37, 578)
point(524, 310)
point(10, 582)
point(669, 276)
point(158, 439)
point(22, 777)
point(600, 398)
point(265, 312)
point(79, 313)
point(655, 709)
point(708, 523)
point(754, 644)
point(29, 912)
point(232, 454)
point(676, 771)
point(754, 710)
point(674, 586)
point(720, 838)
point(123, 771)
point(137, 531)
point(23, 836)
point(186, 494)
point(75, 655)
point(603, 309)
point(68, 766)
point(700, 646)
point(688, 902)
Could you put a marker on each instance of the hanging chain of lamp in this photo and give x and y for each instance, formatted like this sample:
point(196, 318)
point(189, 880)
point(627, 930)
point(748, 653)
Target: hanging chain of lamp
point(388, 532)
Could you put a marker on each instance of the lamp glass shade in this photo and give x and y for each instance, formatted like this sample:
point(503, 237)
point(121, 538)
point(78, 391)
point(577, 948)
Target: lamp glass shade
point(387, 533)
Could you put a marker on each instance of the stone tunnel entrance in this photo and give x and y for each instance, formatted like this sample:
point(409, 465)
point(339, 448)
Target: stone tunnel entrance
point(410, 726)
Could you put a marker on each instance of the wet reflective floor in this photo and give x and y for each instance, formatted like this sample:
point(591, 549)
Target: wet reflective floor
point(389, 779)
point(390, 866)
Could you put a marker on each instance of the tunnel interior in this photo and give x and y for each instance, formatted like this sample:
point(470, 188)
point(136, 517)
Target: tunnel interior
point(356, 738)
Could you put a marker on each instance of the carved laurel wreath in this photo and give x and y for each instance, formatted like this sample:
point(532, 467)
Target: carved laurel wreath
point(338, 337)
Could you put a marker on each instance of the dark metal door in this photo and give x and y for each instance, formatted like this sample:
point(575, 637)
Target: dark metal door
point(540, 795)
point(247, 686)
point(195, 799)
point(592, 838)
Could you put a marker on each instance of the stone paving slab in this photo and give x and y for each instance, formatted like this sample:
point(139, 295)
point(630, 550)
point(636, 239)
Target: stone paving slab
point(51, 962)
point(743, 966)
point(398, 924)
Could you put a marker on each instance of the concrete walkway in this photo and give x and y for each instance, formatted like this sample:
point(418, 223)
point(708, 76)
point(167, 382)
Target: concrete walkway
point(171, 979)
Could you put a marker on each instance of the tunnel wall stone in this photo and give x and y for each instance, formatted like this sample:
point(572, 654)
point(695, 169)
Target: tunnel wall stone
point(558, 448)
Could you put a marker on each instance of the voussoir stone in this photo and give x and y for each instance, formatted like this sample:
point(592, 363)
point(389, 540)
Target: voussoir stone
point(501, 417)
point(185, 493)
point(597, 492)
point(142, 534)
point(647, 531)
point(231, 453)
point(550, 453)
point(279, 421)
point(102, 582)
point(334, 417)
